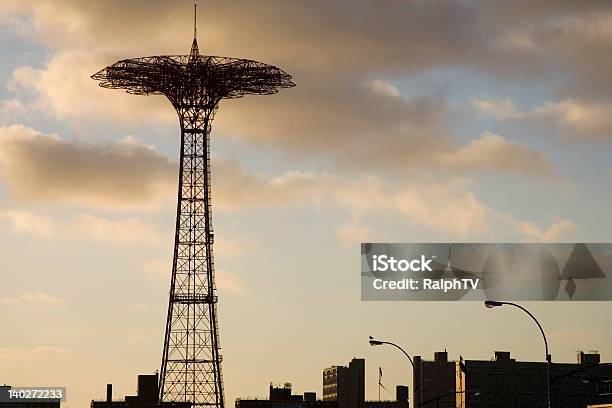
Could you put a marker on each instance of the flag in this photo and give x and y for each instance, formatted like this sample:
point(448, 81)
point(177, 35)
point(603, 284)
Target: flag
point(380, 379)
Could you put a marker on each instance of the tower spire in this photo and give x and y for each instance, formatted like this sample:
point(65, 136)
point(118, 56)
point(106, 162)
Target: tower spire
point(195, 52)
point(195, 20)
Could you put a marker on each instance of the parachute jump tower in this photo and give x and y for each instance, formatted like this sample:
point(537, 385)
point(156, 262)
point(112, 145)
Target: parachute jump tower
point(194, 84)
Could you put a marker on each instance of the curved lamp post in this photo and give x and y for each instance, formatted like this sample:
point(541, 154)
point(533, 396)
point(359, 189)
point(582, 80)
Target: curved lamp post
point(493, 303)
point(374, 342)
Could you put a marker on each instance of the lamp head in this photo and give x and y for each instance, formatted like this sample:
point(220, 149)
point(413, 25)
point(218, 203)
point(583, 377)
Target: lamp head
point(374, 342)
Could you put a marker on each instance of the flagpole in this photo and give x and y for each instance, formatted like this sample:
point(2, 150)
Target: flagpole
point(379, 380)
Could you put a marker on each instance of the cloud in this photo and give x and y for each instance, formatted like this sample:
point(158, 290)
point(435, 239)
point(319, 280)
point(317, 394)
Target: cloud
point(158, 269)
point(276, 30)
point(497, 108)
point(28, 298)
point(233, 246)
point(33, 352)
point(130, 174)
point(81, 97)
point(574, 119)
point(230, 282)
point(443, 206)
point(493, 151)
point(577, 120)
point(358, 117)
point(448, 209)
point(384, 88)
point(346, 124)
point(349, 124)
point(124, 174)
point(354, 232)
point(235, 188)
point(571, 41)
point(26, 222)
point(10, 108)
point(400, 38)
point(117, 231)
point(559, 231)
point(515, 40)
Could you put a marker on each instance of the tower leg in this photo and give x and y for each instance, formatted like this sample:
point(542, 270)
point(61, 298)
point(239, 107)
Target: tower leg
point(191, 363)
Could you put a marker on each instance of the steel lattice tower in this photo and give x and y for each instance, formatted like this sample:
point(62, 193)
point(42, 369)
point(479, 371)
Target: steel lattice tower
point(194, 84)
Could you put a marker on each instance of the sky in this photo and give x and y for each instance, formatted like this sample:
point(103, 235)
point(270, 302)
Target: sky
point(411, 121)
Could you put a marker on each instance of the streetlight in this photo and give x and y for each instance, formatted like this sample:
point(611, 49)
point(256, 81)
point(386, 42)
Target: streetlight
point(374, 342)
point(493, 303)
